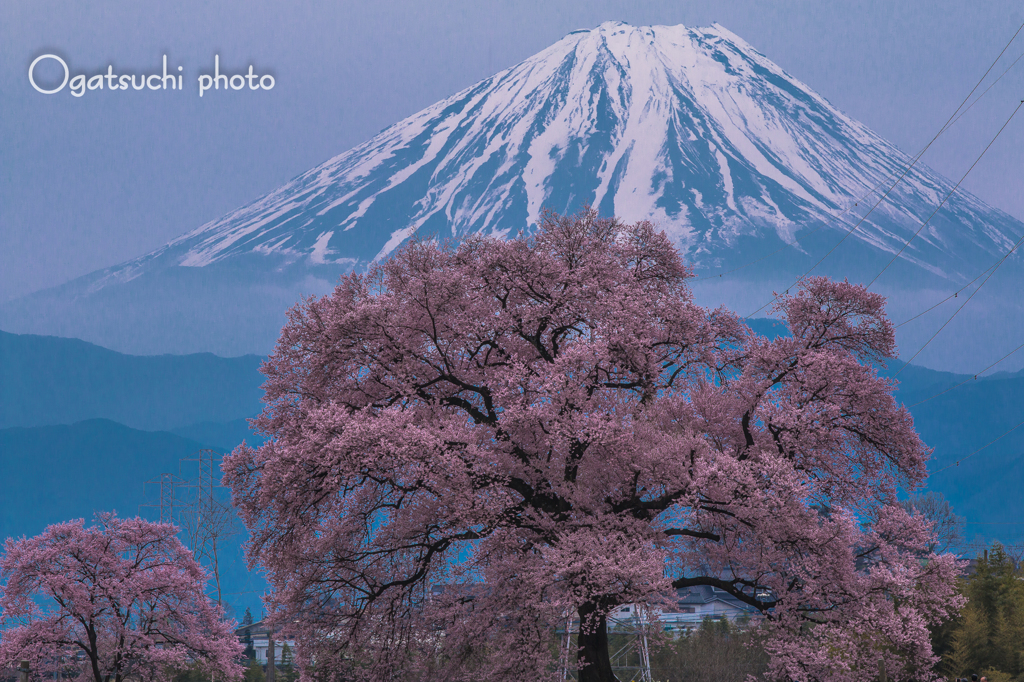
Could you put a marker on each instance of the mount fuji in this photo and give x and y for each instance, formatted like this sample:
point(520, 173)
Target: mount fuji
point(692, 128)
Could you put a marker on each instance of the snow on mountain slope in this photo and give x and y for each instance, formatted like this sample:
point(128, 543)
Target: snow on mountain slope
point(689, 127)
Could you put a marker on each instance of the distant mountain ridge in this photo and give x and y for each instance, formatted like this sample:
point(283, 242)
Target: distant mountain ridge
point(52, 380)
point(74, 470)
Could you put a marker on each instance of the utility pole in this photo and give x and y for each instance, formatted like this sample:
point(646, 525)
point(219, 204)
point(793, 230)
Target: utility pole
point(204, 505)
point(271, 666)
point(190, 503)
point(643, 644)
point(566, 653)
point(207, 520)
point(167, 501)
point(23, 671)
point(636, 624)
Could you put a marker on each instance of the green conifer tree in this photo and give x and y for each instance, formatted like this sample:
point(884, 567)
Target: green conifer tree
point(988, 638)
point(970, 642)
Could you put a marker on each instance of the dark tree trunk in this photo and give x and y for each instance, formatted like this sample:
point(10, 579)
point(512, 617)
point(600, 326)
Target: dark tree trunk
point(595, 665)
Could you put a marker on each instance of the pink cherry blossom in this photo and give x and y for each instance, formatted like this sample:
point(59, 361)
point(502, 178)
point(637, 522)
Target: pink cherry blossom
point(120, 600)
point(471, 447)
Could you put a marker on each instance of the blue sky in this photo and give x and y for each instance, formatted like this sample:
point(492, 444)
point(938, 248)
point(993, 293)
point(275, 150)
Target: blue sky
point(90, 182)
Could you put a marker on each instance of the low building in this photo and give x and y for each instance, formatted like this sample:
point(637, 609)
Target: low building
point(693, 606)
point(258, 634)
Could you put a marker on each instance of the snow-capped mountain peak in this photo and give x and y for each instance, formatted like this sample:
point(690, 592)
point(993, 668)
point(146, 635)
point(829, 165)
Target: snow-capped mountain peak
point(691, 128)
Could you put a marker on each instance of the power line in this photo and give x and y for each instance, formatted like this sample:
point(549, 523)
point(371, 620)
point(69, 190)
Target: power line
point(864, 196)
point(965, 381)
point(959, 291)
point(945, 126)
point(985, 91)
point(948, 195)
point(965, 457)
point(973, 293)
point(856, 225)
point(991, 271)
point(953, 295)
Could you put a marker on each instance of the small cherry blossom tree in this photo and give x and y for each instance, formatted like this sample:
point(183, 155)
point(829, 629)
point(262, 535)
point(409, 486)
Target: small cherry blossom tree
point(120, 600)
point(471, 447)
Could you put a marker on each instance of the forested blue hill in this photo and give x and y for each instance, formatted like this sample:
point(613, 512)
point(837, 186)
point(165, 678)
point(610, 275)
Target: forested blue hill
point(54, 380)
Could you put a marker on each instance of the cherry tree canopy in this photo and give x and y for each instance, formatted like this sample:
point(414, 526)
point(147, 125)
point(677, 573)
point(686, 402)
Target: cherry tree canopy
point(492, 440)
point(121, 600)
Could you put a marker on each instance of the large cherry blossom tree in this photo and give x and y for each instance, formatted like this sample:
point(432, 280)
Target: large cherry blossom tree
point(471, 447)
point(120, 600)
